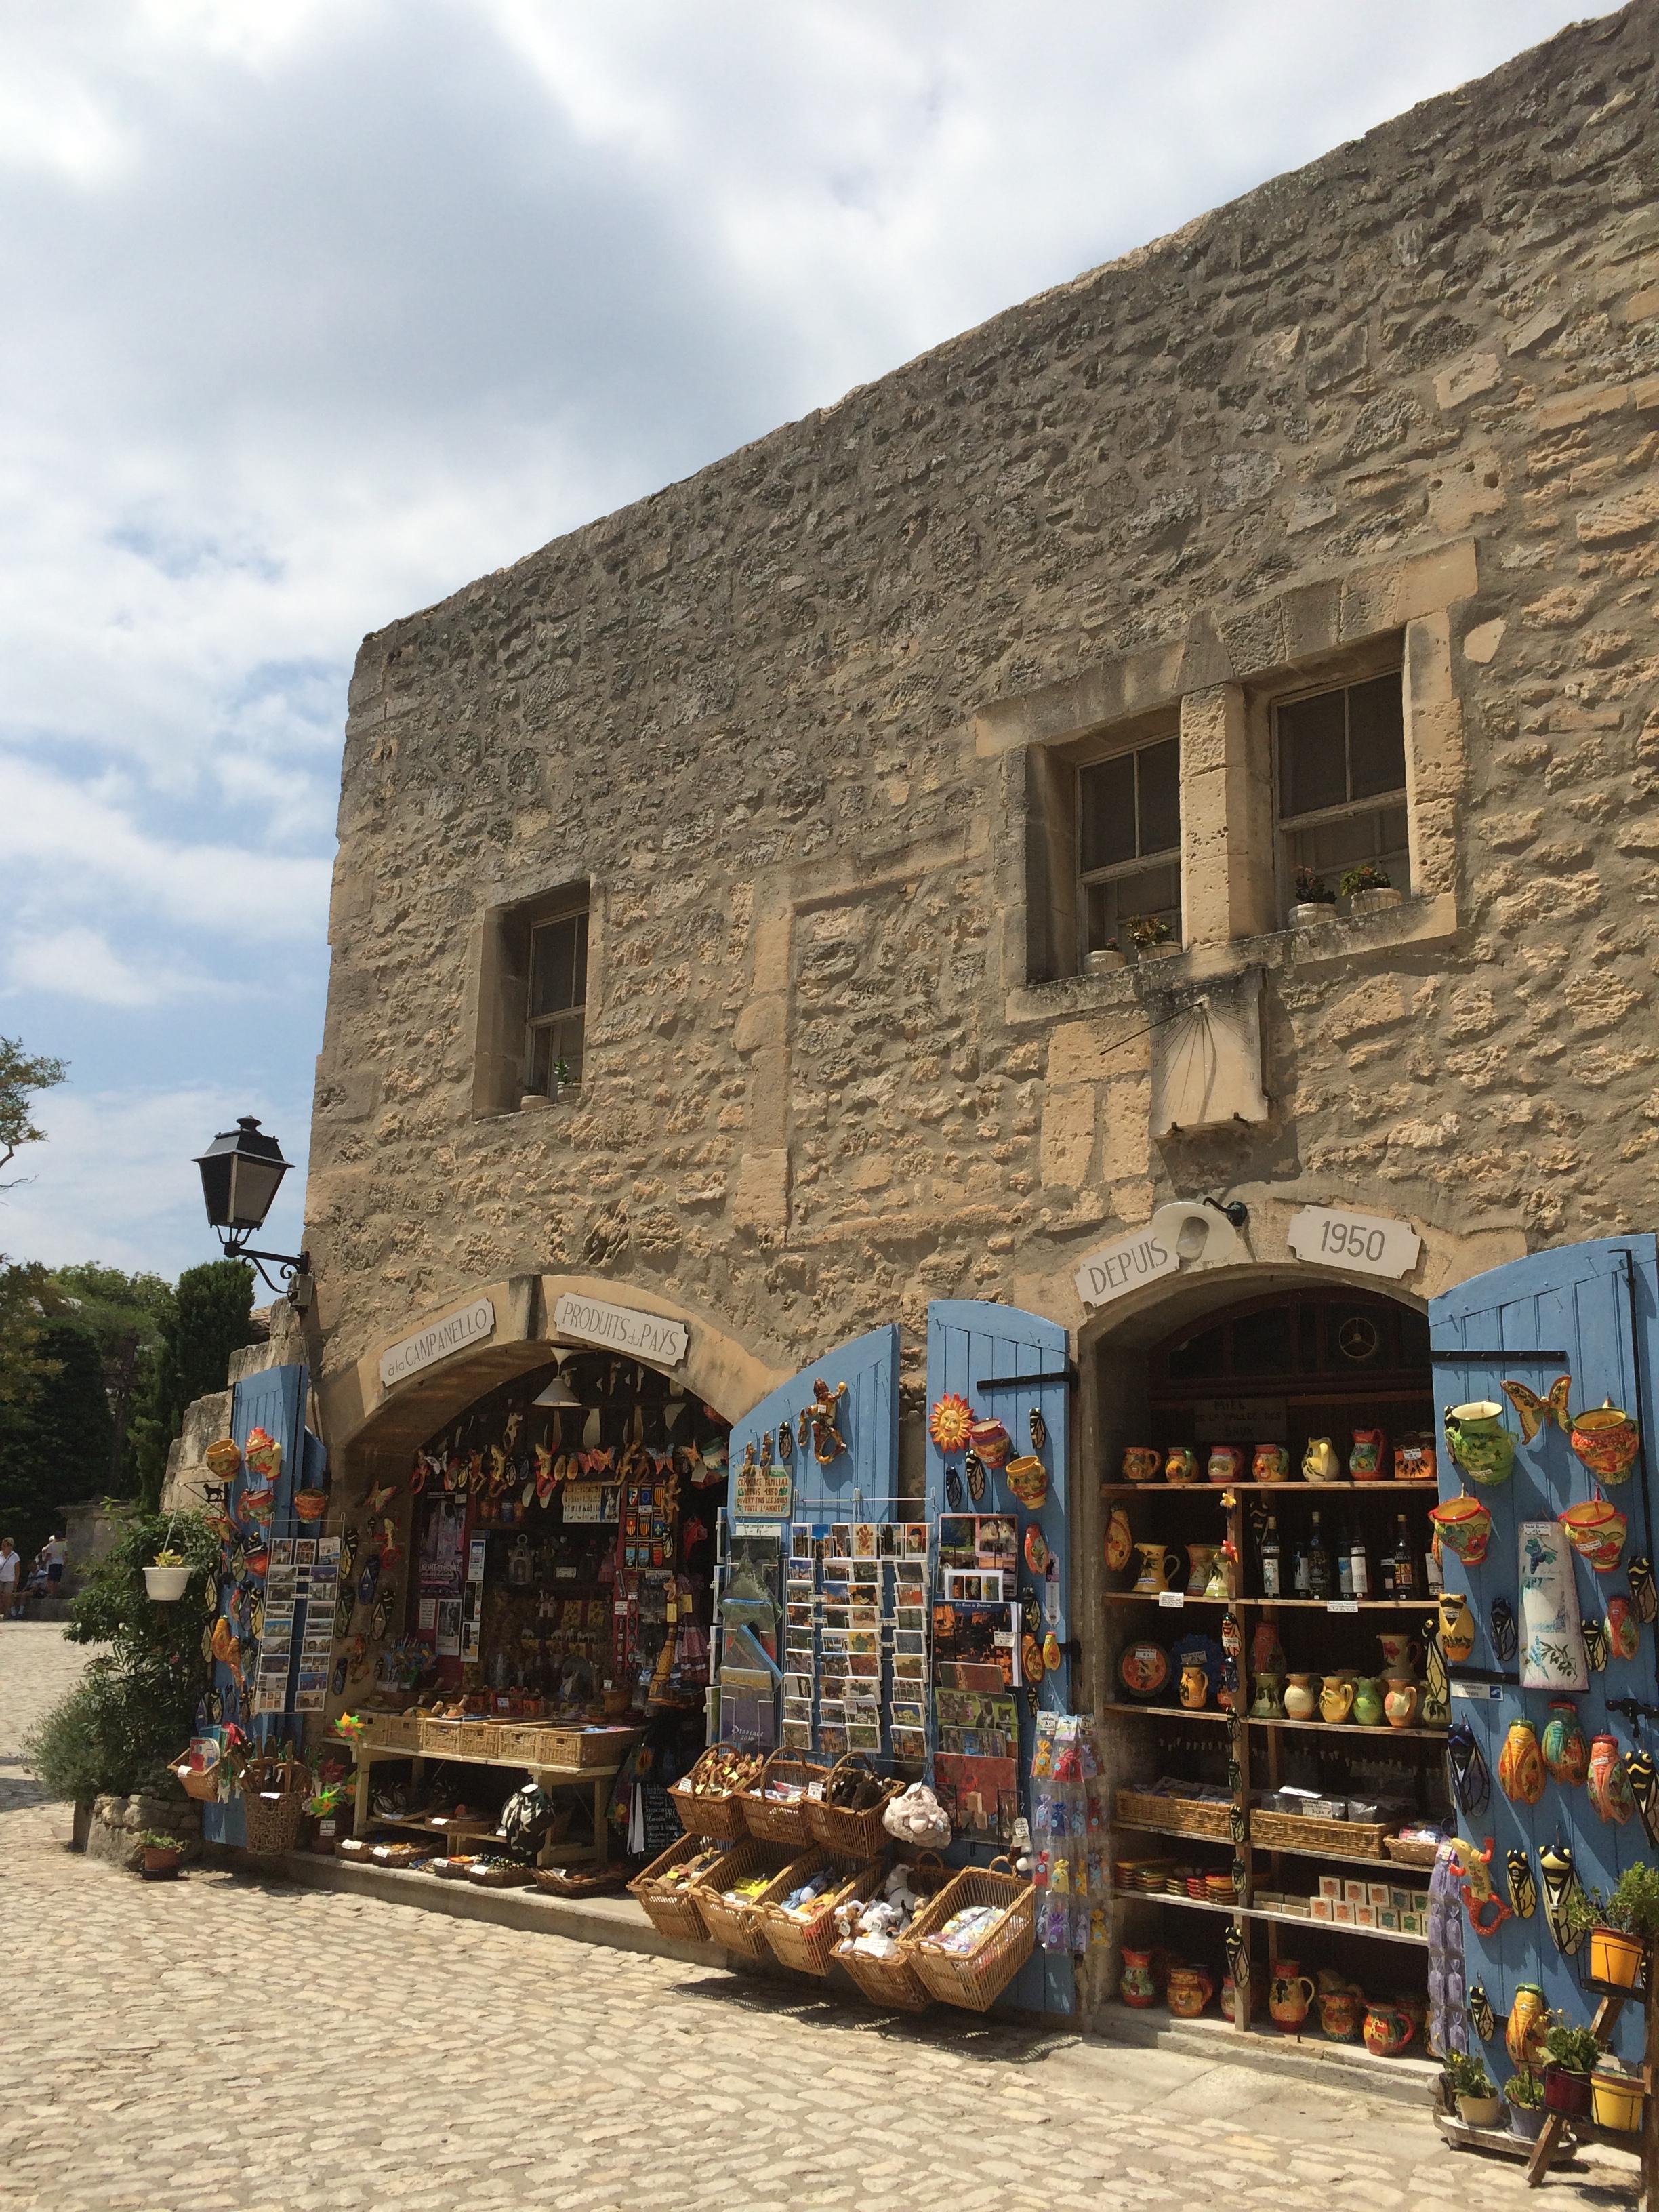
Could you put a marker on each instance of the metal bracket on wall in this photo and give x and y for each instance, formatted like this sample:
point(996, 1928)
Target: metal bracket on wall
point(1633, 1709)
point(1463, 1355)
point(1066, 1374)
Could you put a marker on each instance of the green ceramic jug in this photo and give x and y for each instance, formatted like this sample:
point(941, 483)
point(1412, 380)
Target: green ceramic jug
point(1368, 1709)
point(1479, 1442)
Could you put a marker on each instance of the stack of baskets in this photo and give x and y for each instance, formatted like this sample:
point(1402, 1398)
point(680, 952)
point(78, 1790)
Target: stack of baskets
point(274, 1793)
point(975, 1979)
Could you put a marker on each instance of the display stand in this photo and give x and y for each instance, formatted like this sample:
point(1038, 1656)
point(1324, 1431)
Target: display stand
point(596, 1780)
point(1606, 2018)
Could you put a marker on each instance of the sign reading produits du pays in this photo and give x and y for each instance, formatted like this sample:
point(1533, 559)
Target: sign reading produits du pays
point(1369, 1243)
point(647, 1336)
point(437, 1342)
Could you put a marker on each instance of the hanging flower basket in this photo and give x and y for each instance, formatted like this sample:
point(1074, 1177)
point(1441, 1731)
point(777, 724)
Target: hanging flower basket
point(165, 1585)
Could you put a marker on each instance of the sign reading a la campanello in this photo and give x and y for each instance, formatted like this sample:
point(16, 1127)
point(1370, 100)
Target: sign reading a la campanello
point(625, 1328)
point(414, 1352)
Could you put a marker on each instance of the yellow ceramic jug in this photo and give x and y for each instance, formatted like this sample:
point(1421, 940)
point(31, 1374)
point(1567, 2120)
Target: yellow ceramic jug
point(1319, 1461)
point(1335, 1698)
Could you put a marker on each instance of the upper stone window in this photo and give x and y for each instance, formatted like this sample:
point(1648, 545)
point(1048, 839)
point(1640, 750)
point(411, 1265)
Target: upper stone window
point(1340, 772)
point(1128, 819)
point(557, 1003)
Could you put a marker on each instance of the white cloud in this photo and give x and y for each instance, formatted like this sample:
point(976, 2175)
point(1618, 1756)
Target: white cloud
point(82, 964)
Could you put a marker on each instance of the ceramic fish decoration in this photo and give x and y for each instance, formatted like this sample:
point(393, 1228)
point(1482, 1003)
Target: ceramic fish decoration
point(1536, 1412)
point(1644, 1778)
point(1560, 1878)
point(1481, 2012)
point(1523, 1890)
point(1642, 1594)
point(1504, 1642)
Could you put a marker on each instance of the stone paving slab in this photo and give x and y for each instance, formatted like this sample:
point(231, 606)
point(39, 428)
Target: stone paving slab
point(232, 2041)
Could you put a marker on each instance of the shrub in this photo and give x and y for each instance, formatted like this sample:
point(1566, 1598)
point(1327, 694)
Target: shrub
point(1575, 2050)
point(1633, 1908)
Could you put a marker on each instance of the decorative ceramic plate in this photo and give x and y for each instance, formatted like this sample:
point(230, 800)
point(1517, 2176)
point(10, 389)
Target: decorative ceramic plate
point(1143, 1668)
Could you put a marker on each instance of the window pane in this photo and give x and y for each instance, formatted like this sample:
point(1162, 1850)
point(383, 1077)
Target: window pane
point(1376, 738)
point(1312, 771)
point(1159, 769)
point(1114, 904)
point(1377, 834)
point(558, 965)
point(556, 1054)
point(1107, 808)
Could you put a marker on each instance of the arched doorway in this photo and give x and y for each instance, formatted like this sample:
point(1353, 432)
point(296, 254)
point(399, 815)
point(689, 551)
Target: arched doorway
point(1243, 1809)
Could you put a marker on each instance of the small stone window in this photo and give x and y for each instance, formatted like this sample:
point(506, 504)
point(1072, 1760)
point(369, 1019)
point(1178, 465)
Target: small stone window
point(1339, 775)
point(533, 992)
point(557, 1005)
point(1129, 816)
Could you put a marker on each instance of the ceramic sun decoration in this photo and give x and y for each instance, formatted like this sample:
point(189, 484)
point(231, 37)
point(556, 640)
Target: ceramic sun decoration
point(1553, 1654)
point(951, 1422)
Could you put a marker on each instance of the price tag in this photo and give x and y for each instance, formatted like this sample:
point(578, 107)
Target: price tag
point(1003, 1638)
point(1172, 1600)
point(1342, 1604)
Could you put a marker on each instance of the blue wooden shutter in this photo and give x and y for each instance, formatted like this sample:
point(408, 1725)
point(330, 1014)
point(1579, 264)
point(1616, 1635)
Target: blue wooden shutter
point(982, 1351)
point(1591, 1310)
point(860, 1484)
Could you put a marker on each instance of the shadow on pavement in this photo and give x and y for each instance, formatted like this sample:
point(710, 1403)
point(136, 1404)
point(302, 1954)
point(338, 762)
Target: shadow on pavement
point(1008, 2043)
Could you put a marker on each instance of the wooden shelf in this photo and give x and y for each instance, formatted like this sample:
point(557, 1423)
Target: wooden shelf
point(1354, 1728)
point(1304, 1604)
point(1278, 1919)
point(1170, 1713)
point(1384, 1865)
point(1294, 1489)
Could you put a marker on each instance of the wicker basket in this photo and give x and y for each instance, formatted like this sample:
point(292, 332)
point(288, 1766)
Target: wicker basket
point(440, 1739)
point(774, 1822)
point(738, 1927)
point(575, 1882)
point(479, 1740)
point(976, 1979)
point(500, 1877)
point(851, 1835)
point(274, 1793)
point(674, 1912)
point(567, 1747)
point(709, 1813)
point(452, 1869)
point(892, 1984)
point(1405, 1850)
point(526, 1741)
point(1173, 1816)
point(396, 1732)
point(806, 1945)
point(201, 1783)
point(1361, 1840)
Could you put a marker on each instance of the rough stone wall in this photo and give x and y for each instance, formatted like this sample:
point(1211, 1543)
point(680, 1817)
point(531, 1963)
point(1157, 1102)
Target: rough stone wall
point(747, 709)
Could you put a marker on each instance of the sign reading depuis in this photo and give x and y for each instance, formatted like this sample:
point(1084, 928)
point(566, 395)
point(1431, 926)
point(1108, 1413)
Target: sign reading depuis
point(649, 1336)
point(435, 1343)
point(1118, 1267)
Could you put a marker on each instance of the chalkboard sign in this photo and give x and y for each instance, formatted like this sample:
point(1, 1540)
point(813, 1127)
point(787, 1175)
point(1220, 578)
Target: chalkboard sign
point(663, 1825)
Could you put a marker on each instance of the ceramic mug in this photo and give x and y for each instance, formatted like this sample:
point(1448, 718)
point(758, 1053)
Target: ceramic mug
point(1479, 1442)
point(1271, 1463)
point(1464, 1525)
point(1607, 1440)
point(1181, 1464)
point(1157, 1564)
point(1141, 1462)
point(1226, 1463)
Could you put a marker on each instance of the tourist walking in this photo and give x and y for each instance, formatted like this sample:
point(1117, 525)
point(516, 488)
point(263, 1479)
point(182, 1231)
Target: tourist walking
point(10, 1569)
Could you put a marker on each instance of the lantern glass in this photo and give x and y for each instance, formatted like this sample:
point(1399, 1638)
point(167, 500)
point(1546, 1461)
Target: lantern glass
point(242, 1170)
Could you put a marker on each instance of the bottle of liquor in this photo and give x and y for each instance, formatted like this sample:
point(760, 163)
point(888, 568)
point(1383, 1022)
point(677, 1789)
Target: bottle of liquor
point(1322, 1579)
point(1299, 1570)
point(1271, 1557)
point(1405, 1582)
point(1359, 1566)
point(1431, 1581)
point(1344, 1565)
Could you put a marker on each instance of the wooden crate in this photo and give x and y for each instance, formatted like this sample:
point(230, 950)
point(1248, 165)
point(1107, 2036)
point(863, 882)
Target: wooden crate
point(1173, 1816)
point(1345, 1839)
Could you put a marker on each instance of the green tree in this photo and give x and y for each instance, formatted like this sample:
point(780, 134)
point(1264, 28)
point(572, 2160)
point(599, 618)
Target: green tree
point(22, 1074)
point(127, 1314)
point(56, 1447)
point(209, 1321)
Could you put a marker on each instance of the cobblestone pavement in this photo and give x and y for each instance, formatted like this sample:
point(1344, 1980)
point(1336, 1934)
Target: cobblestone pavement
point(225, 2042)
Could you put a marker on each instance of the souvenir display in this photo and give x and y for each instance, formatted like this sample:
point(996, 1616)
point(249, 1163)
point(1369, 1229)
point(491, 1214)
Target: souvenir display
point(1642, 1773)
point(1521, 1764)
point(1565, 1747)
point(1595, 1530)
point(1480, 1443)
point(1607, 1440)
point(1644, 1595)
point(1609, 1783)
point(1471, 1781)
point(1523, 1890)
point(1552, 1656)
point(1070, 1869)
point(1463, 1524)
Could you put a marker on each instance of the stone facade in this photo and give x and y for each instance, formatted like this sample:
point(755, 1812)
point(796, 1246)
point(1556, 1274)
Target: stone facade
point(795, 720)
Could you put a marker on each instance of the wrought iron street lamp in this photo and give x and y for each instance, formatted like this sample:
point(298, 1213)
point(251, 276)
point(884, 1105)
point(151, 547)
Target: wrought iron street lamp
point(241, 1170)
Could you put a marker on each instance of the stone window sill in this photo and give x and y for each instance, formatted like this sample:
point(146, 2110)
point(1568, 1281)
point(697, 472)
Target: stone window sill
point(529, 1106)
point(1321, 944)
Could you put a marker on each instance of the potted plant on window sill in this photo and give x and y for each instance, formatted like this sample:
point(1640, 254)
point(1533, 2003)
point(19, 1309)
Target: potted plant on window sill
point(1314, 900)
point(1152, 937)
point(1570, 2053)
point(1105, 959)
point(1524, 2094)
point(1368, 890)
point(1479, 2104)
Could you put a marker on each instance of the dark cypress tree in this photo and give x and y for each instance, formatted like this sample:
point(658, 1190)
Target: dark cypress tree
point(56, 1446)
point(209, 1321)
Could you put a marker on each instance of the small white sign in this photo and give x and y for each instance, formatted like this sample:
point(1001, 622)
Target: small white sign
point(1172, 1600)
point(647, 1336)
point(1365, 1243)
point(437, 1342)
point(1342, 1604)
point(1121, 1267)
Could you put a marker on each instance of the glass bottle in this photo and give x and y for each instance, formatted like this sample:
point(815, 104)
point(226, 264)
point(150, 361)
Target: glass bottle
point(1405, 1562)
point(1344, 1565)
point(1271, 1557)
point(1359, 1566)
point(1321, 1579)
point(1299, 1571)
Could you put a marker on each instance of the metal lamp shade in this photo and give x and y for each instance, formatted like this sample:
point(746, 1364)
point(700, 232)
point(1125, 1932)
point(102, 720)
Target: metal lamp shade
point(240, 1171)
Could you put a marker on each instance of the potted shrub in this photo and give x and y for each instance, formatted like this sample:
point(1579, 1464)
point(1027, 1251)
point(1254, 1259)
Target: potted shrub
point(1315, 899)
point(161, 1855)
point(1368, 890)
point(1624, 1927)
point(1105, 957)
point(1479, 2104)
point(1151, 936)
point(1524, 2093)
point(1570, 2055)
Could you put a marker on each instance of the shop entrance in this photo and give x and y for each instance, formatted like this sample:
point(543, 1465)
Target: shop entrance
point(555, 1615)
point(1267, 1677)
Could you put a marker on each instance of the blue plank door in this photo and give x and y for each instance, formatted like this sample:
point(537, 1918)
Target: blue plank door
point(1591, 1310)
point(980, 1351)
point(273, 1400)
point(859, 1484)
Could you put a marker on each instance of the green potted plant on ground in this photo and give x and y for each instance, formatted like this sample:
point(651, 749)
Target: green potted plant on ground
point(1569, 2057)
point(1151, 936)
point(1524, 2093)
point(1315, 899)
point(1368, 889)
point(1479, 2104)
point(161, 1855)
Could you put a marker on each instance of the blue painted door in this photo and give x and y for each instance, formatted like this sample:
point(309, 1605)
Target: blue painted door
point(1590, 1311)
point(857, 1483)
point(986, 1353)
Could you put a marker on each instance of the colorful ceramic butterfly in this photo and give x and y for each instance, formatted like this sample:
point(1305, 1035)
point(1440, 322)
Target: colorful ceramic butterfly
point(1534, 1411)
point(1523, 1890)
point(1561, 1881)
point(1481, 2012)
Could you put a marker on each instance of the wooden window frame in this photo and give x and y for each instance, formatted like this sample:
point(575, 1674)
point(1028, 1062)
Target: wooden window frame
point(501, 1058)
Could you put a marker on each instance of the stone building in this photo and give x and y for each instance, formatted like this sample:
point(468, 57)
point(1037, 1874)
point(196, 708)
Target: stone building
point(718, 886)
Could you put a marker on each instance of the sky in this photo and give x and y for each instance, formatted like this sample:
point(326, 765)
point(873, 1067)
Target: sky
point(316, 309)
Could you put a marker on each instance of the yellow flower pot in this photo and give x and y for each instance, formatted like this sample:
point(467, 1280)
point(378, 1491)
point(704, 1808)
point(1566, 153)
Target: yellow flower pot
point(1616, 2104)
point(1614, 1958)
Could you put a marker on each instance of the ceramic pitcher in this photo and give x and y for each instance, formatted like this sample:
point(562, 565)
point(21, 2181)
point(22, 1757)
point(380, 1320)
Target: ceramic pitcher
point(1388, 2028)
point(1365, 1459)
point(1402, 1655)
point(1301, 1698)
point(1200, 1558)
point(1141, 1462)
point(1368, 1702)
point(1319, 1461)
point(1157, 1564)
point(1181, 1464)
point(1479, 1442)
point(1270, 1463)
point(1340, 2012)
point(1400, 1703)
point(1189, 1991)
point(1137, 1983)
point(1194, 1685)
point(1335, 1698)
point(1289, 1995)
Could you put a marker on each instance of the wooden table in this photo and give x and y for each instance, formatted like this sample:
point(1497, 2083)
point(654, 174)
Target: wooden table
point(599, 1779)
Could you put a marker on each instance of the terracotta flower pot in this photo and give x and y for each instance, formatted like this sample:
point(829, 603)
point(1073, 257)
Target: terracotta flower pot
point(1566, 2093)
point(1615, 1956)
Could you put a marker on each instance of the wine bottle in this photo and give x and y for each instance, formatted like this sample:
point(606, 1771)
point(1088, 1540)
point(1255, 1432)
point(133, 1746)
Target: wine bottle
point(1359, 1567)
point(1270, 1560)
point(1344, 1565)
point(1321, 1579)
point(1299, 1572)
point(1405, 1563)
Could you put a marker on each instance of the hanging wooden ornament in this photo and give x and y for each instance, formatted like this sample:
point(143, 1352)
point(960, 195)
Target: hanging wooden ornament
point(1598, 1645)
point(1237, 1945)
point(1481, 2012)
point(1643, 1777)
point(1643, 1596)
